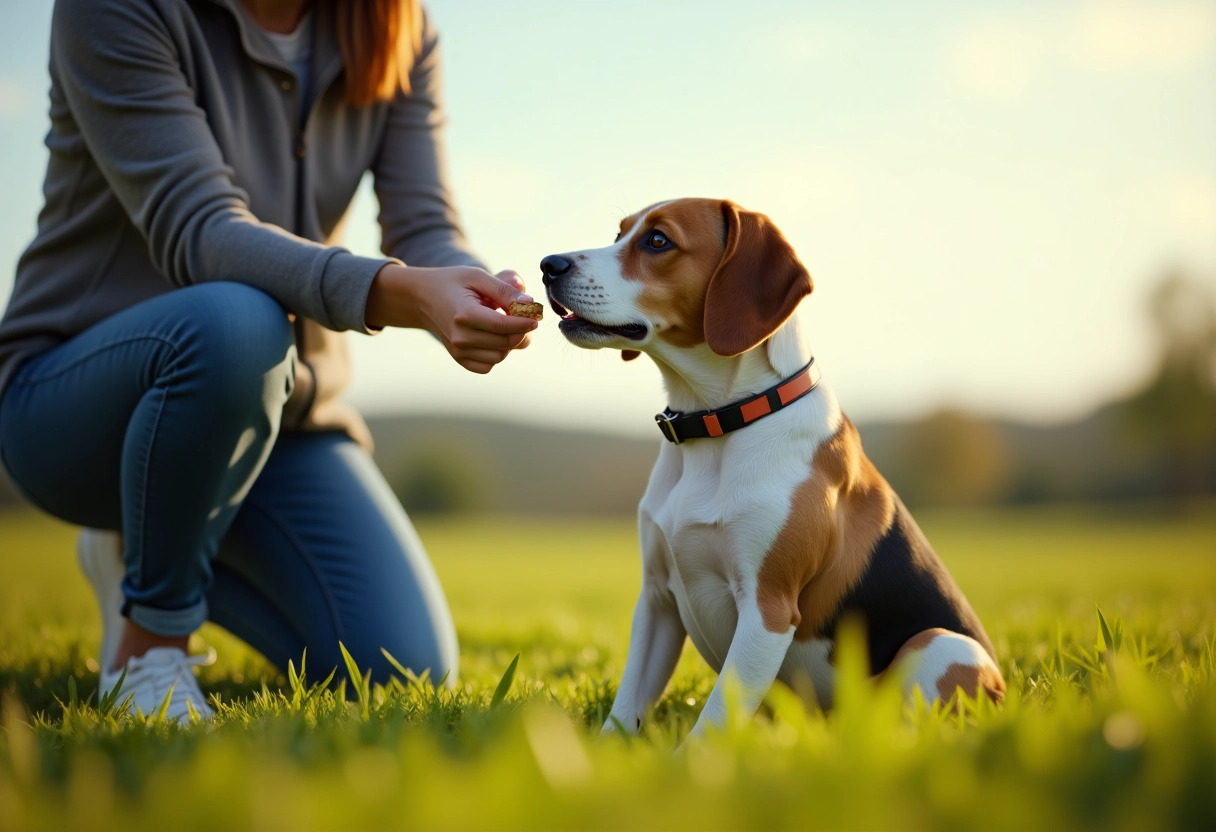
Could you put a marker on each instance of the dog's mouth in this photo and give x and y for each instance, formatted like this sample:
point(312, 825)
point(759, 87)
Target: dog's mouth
point(572, 324)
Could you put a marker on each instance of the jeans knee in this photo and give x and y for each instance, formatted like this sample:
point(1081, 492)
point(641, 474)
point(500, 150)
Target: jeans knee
point(237, 343)
point(241, 325)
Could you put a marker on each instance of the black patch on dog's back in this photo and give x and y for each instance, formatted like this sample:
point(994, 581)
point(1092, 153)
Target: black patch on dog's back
point(904, 590)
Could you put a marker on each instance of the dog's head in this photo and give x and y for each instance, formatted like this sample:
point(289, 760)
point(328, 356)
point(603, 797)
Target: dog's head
point(680, 274)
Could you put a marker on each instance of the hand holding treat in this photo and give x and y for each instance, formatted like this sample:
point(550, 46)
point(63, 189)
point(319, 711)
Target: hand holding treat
point(458, 305)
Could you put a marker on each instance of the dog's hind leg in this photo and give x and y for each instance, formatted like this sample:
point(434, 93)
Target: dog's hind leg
point(941, 663)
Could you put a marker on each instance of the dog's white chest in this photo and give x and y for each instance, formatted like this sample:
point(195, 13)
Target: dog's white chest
point(704, 587)
point(712, 529)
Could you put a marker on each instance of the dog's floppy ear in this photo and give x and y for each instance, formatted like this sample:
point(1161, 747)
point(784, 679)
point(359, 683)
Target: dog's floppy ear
point(629, 355)
point(757, 285)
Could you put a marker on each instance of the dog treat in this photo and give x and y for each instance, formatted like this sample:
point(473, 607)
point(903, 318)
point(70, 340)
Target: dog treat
point(526, 310)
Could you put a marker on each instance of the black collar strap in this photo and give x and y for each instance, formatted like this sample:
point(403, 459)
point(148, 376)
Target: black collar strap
point(680, 427)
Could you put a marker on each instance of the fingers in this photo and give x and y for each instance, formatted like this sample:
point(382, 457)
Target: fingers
point(473, 338)
point(483, 336)
point(480, 352)
point(497, 289)
point(479, 361)
point(513, 279)
point(487, 320)
point(491, 329)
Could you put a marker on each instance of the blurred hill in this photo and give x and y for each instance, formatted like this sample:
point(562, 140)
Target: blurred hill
point(948, 458)
point(1157, 442)
point(458, 463)
point(955, 458)
point(441, 464)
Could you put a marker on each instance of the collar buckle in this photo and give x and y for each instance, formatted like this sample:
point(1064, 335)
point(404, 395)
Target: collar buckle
point(666, 427)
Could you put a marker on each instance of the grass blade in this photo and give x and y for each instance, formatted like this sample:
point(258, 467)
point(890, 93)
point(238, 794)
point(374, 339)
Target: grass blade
point(106, 703)
point(504, 684)
point(162, 713)
point(361, 683)
point(352, 668)
point(397, 666)
point(1106, 636)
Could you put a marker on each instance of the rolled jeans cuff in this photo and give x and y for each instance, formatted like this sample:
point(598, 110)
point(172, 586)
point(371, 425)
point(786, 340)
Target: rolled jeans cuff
point(181, 622)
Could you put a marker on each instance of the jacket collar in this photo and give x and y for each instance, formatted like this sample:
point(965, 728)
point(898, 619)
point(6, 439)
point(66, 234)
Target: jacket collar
point(326, 53)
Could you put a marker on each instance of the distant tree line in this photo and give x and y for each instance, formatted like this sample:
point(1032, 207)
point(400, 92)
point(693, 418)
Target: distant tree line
point(1157, 441)
point(1174, 415)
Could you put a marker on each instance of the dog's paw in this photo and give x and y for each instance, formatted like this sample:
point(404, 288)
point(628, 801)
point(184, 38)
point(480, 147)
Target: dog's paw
point(614, 727)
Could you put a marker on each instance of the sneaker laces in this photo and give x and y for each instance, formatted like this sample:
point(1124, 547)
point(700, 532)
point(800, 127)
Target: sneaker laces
point(151, 676)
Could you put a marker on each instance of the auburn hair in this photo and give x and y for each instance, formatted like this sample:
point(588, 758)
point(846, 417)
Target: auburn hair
point(379, 40)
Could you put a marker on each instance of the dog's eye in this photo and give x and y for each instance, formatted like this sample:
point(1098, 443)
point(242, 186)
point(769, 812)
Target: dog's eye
point(617, 238)
point(657, 240)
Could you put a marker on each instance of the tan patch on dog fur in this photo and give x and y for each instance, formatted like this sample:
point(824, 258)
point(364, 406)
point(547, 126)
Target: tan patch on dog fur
point(729, 280)
point(972, 680)
point(627, 224)
point(915, 644)
point(836, 518)
point(918, 642)
point(675, 280)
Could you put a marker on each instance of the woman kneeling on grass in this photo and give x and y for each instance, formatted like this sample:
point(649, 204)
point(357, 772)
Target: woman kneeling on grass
point(169, 360)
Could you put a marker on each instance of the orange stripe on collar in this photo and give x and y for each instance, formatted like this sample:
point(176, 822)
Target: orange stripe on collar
point(800, 385)
point(754, 409)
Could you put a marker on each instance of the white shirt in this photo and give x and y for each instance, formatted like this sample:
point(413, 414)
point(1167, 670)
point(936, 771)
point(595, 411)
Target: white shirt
point(296, 49)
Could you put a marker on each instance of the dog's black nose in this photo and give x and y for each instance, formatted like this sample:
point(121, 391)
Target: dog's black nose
point(553, 266)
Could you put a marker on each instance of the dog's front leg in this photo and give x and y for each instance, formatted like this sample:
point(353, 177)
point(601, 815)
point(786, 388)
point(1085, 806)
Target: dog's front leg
point(655, 642)
point(754, 657)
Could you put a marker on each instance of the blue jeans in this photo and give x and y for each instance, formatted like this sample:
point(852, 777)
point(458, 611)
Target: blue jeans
point(163, 422)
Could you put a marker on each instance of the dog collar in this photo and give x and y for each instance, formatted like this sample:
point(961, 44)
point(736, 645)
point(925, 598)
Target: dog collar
point(680, 427)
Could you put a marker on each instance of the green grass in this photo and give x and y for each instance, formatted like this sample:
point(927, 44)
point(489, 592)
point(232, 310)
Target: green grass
point(1114, 731)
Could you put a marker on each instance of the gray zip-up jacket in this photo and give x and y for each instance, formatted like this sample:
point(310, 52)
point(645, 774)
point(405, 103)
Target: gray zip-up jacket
point(179, 153)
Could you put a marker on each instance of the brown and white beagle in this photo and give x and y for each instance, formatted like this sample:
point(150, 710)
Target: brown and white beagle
point(763, 524)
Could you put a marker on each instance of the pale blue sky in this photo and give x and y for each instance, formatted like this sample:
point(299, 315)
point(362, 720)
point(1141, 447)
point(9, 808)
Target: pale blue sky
point(982, 191)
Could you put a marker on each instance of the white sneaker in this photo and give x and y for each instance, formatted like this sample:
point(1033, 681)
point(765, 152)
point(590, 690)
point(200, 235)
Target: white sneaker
point(99, 554)
point(150, 677)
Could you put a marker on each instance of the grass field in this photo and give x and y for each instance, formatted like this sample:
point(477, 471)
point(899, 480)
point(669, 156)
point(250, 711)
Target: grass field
point(1113, 730)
